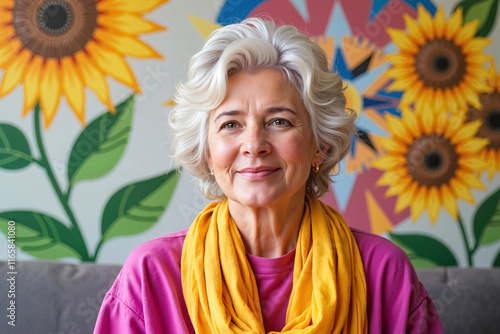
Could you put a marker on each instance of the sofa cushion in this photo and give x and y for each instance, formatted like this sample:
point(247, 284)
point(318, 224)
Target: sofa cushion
point(467, 299)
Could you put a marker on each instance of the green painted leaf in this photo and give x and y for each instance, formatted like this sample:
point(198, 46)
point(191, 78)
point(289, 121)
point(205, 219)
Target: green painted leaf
point(485, 11)
point(101, 144)
point(424, 251)
point(496, 262)
point(41, 236)
point(487, 220)
point(15, 151)
point(138, 206)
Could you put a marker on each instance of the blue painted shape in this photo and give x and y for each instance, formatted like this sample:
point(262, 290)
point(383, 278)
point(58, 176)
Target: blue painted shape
point(371, 102)
point(301, 7)
point(377, 6)
point(429, 5)
point(366, 124)
point(337, 26)
point(236, 10)
point(343, 185)
point(341, 66)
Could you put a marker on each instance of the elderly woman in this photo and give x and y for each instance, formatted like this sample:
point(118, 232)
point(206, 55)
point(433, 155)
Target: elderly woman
point(261, 121)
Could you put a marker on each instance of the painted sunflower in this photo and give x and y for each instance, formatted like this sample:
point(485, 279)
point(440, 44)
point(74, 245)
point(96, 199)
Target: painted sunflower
point(489, 113)
point(56, 47)
point(440, 62)
point(431, 161)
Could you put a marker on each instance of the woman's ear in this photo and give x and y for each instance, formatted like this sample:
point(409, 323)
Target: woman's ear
point(319, 156)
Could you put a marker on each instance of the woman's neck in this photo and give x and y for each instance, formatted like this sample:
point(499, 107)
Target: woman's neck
point(268, 231)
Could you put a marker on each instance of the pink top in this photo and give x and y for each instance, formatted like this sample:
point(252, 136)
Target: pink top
point(147, 294)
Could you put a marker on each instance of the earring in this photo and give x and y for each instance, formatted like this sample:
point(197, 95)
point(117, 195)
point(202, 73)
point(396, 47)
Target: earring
point(316, 169)
point(211, 171)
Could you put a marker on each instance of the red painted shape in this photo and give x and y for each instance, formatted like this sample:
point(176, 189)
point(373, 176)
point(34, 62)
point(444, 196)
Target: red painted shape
point(356, 213)
point(283, 11)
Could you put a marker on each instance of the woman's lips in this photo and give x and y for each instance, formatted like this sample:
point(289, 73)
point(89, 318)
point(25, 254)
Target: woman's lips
point(257, 172)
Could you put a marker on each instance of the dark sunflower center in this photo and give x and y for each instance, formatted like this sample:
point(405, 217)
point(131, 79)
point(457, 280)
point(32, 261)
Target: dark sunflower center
point(54, 28)
point(440, 63)
point(492, 120)
point(432, 160)
point(490, 116)
point(55, 17)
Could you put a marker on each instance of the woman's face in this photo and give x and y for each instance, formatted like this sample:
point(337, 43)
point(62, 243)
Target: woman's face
point(260, 141)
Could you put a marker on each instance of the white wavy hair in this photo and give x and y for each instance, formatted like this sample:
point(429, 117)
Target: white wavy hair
point(250, 45)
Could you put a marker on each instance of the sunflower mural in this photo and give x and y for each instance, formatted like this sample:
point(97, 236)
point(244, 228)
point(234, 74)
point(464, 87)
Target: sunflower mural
point(489, 113)
point(431, 161)
point(440, 62)
point(60, 47)
point(447, 133)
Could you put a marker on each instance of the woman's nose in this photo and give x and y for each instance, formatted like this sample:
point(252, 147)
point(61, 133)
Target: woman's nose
point(255, 142)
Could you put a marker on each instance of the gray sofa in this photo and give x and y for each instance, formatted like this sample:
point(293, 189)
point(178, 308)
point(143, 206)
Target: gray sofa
point(57, 297)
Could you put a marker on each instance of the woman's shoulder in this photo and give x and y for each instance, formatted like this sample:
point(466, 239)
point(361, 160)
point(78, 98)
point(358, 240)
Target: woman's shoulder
point(166, 248)
point(151, 259)
point(375, 248)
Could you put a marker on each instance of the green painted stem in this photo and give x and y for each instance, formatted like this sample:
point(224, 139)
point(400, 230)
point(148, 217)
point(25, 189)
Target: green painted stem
point(466, 241)
point(44, 162)
point(98, 248)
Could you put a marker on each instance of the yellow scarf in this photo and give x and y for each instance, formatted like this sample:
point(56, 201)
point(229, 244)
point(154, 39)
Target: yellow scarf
point(329, 288)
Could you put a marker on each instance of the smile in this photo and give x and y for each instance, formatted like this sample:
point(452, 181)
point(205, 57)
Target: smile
point(257, 173)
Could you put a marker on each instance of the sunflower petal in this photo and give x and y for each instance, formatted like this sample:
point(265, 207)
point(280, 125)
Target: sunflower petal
point(14, 73)
point(402, 83)
point(126, 45)
point(449, 201)
point(406, 197)
point(129, 5)
point(112, 64)
point(397, 129)
point(50, 90)
point(467, 33)
point(414, 30)
point(418, 204)
point(8, 52)
point(427, 121)
point(460, 190)
point(94, 79)
point(393, 146)
point(472, 146)
point(425, 20)
point(439, 23)
point(476, 45)
point(454, 24)
point(401, 59)
point(466, 132)
point(469, 179)
point(32, 83)
point(471, 163)
point(72, 87)
point(389, 162)
point(399, 186)
point(411, 122)
point(127, 23)
point(433, 203)
point(439, 100)
point(402, 41)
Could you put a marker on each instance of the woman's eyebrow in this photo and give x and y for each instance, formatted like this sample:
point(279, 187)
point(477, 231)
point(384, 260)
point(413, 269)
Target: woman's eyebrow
point(227, 113)
point(271, 110)
point(281, 109)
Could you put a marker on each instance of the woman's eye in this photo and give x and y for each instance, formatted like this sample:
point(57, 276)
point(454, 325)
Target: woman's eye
point(229, 125)
point(280, 122)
